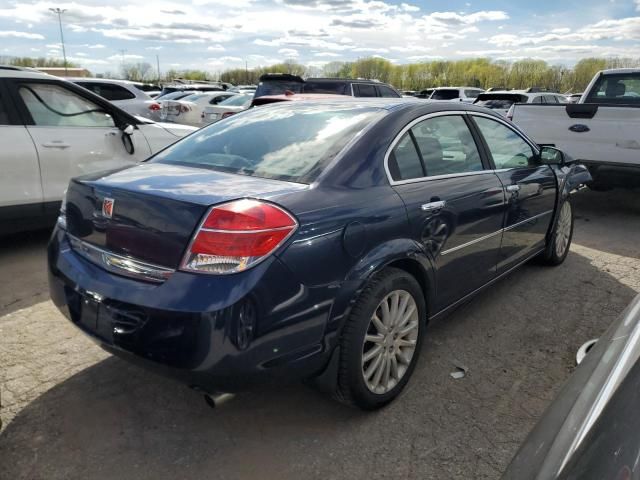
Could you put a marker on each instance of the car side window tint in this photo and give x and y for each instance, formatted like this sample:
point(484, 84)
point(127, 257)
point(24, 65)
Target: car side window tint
point(364, 90)
point(52, 105)
point(4, 111)
point(508, 148)
point(447, 146)
point(404, 161)
point(386, 92)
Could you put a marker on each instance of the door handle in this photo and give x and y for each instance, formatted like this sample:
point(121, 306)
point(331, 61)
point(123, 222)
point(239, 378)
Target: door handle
point(513, 188)
point(433, 206)
point(56, 144)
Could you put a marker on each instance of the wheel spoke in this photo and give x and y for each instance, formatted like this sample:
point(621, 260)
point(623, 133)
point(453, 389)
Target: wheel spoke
point(378, 324)
point(372, 368)
point(401, 358)
point(394, 299)
point(403, 308)
point(371, 353)
point(394, 368)
point(374, 338)
point(384, 308)
point(401, 342)
point(386, 373)
point(379, 370)
point(407, 315)
point(407, 330)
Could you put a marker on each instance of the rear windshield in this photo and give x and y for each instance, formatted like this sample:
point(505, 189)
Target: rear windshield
point(278, 87)
point(237, 100)
point(292, 143)
point(618, 89)
point(445, 94)
point(337, 88)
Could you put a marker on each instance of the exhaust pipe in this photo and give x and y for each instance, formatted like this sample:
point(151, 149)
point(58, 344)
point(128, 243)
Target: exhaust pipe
point(216, 400)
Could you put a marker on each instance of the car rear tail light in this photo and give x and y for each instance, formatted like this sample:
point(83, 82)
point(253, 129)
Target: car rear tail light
point(185, 108)
point(154, 107)
point(227, 114)
point(237, 235)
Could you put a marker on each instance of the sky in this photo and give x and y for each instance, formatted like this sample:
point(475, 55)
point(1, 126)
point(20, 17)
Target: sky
point(214, 35)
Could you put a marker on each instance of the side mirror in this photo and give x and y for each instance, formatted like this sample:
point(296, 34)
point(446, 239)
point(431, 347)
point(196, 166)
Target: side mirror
point(552, 156)
point(128, 129)
point(127, 142)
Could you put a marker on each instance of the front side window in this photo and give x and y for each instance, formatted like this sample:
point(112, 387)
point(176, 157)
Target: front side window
point(447, 146)
point(55, 106)
point(237, 100)
point(283, 142)
point(508, 148)
point(387, 92)
point(472, 93)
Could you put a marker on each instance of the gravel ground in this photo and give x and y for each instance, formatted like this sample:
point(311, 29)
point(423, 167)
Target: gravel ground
point(71, 411)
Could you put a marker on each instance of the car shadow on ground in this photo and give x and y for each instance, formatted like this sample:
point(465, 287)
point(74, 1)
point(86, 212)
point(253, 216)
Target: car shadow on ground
point(114, 420)
point(23, 265)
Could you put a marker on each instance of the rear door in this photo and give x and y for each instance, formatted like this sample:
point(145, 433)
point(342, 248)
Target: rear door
point(530, 187)
point(72, 134)
point(20, 187)
point(454, 201)
point(364, 90)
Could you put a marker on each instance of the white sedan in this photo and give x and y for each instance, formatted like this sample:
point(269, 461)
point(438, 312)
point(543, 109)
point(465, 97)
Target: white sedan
point(189, 110)
point(52, 130)
point(231, 106)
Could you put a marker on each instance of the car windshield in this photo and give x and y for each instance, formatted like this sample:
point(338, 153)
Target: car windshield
point(175, 95)
point(618, 89)
point(289, 142)
point(195, 97)
point(237, 100)
point(445, 94)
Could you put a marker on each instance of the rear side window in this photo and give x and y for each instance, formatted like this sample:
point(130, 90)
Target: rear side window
point(336, 88)
point(404, 161)
point(537, 99)
point(283, 142)
point(550, 99)
point(620, 89)
point(445, 94)
point(447, 146)
point(54, 106)
point(108, 91)
point(364, 90)
point(508, 148)
point(472, 93)
point(387, 92)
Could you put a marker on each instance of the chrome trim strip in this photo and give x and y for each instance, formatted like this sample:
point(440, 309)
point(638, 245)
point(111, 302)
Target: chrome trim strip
point(530, 219)
point(497, 232)
point(216, 230)
point(119, 264)
point(472, 242)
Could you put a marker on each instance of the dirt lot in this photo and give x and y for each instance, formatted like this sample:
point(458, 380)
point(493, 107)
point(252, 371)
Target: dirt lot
point(70, 410)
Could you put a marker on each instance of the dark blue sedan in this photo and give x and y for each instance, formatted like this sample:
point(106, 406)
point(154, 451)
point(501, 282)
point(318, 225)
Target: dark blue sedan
point(307, 240)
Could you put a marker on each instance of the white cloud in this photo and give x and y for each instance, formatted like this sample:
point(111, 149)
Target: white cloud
point(14, 34)
point(215, 48)
point(289, 52)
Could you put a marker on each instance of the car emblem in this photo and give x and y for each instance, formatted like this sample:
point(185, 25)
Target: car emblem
point(107, 207)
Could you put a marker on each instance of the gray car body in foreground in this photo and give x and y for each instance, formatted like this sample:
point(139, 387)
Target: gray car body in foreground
point(591, 430)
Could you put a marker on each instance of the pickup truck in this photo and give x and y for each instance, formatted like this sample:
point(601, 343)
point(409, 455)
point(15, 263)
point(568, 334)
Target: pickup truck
point(601, 131)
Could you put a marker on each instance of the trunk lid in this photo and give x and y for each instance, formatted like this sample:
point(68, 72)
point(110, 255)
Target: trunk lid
point(155, 207)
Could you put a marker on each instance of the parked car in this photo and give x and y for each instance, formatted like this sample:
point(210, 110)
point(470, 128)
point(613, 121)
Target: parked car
point(426, 93)
point(243, 88)
point(52, 130)
point(502, 101)
point(456, 94)
point(123, 94)
point(281, 83)
point(226, 108)
point(601, 130)
point(176, 95)
point(590, 431)
point(573, 97)
point(189, 110)
point(306, 239)
point(194, 87)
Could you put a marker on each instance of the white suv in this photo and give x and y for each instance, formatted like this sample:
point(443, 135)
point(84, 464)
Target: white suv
point(52, 130)
point(456, 94)
point(502, 100)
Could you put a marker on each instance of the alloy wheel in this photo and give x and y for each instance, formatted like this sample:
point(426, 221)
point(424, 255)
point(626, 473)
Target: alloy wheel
point(390, 341)
point(563, 229)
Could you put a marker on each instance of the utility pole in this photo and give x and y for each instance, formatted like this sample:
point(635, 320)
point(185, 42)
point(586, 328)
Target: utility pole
point(158, 66)
point(59, 12)
point(246, 73)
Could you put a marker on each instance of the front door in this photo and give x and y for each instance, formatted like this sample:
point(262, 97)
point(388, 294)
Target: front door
point(455, 203)
point(530, 188)
point(73, 135)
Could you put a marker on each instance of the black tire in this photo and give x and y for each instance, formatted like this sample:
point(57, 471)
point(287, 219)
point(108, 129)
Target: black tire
point(551, 255)
point(352, 388)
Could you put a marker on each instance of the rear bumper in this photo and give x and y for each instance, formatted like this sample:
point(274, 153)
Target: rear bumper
point(195, 327)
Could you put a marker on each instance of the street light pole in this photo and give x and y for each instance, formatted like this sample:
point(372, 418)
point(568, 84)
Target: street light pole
point(59, 12)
